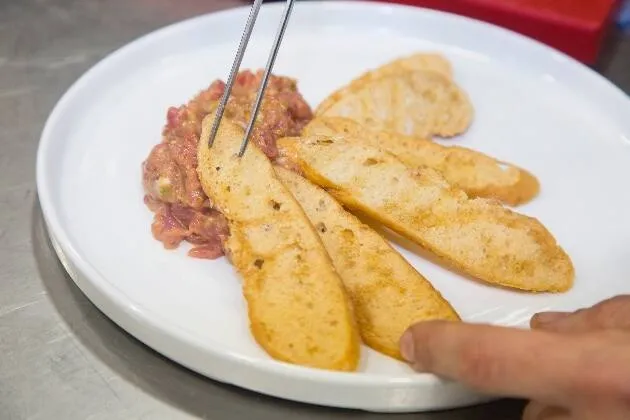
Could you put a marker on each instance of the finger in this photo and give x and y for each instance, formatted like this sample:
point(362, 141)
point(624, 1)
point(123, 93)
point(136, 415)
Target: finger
point(542, 318)
point(539, 411)
point(613, 313)
point(511, 362)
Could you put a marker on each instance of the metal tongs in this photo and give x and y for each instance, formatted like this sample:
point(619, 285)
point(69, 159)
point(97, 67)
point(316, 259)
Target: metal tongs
point(253, 14)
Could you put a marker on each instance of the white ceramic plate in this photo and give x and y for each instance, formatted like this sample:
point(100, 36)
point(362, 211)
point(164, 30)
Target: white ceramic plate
point(534, 107)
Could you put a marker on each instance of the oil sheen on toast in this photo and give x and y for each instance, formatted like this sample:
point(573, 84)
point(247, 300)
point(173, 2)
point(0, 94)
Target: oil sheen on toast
point(419, 61)
point(413, 102)
point(477, 174)
point(477, 236)
point(387, 293)
point(298, 309)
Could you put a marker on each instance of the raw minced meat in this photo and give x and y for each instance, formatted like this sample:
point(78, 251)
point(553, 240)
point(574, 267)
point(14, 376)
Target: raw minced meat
point(182, 212)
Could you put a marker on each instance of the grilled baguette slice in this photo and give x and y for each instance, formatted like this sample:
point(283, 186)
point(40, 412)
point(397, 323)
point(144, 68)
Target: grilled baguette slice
point(413, 102)
point(387, 293)
point(298, 309)
point(420, 61)
point(476, 236)
point(477, 174)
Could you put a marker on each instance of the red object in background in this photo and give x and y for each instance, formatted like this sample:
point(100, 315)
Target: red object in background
point(576, 27)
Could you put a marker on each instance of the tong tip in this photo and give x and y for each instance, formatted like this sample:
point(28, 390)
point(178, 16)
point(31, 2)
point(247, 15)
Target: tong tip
point(235, 68)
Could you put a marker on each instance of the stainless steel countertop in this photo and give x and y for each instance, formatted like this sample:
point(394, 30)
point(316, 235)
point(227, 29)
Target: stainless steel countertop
point(60, 358)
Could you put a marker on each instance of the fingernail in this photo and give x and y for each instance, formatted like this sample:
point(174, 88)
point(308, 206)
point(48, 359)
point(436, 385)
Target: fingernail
point(549, 317)
point(407, 347)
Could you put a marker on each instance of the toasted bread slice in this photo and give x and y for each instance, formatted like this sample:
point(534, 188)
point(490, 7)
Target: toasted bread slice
point(477, 236)
point(387, 293)
point(298, 308)
point(477, 174)
point(420, 61)
point(413, 102)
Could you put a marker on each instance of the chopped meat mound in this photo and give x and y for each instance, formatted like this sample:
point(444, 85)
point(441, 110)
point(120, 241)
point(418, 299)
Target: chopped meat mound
point(182, 212)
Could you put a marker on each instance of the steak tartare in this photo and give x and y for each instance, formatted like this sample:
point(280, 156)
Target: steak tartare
point(182, 212)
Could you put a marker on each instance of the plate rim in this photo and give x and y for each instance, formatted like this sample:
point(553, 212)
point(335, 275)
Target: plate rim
point(134, 315)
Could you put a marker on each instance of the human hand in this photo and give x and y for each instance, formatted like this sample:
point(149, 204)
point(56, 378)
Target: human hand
point(572, 366)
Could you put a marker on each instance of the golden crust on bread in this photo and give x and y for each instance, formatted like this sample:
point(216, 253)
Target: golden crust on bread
point(387, 293)
point(298, 308)
point(420, 61)
point(413, 102)
point(477, 236)
point(479, 175)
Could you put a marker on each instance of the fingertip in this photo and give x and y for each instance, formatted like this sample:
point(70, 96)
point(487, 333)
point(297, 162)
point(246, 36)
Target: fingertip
point(407, 346)
point(415, 344)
